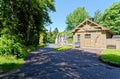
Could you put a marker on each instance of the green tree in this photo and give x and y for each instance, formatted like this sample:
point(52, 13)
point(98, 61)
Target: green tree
point(97, 16)
point(69, 35)
point(55, 31)
point(51, 35)
point(24, 19)
point(76, 17)
point(55, 34)
point(111, 18)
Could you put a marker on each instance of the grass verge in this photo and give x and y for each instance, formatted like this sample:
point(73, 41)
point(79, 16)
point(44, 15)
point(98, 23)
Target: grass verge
point(10, 62)
point(111, 55)
point(63, 48)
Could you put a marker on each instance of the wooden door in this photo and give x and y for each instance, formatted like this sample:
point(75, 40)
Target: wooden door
point(87, 40)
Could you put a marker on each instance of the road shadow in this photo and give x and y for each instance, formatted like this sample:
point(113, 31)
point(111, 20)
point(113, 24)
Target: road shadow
point(9, 66)
point(72, 64)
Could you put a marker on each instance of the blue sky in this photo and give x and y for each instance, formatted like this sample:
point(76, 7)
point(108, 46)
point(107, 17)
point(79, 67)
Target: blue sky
point(65, 7)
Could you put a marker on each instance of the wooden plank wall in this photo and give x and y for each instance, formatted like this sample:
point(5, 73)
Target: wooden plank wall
point(113, 42)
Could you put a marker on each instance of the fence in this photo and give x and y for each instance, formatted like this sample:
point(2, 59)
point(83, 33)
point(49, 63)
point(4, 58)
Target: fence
point(113, 43)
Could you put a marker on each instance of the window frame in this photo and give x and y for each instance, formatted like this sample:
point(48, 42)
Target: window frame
point(87, 36)
point(78, 37)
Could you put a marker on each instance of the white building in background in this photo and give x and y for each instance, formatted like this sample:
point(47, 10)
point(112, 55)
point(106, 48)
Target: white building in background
point(61, 40)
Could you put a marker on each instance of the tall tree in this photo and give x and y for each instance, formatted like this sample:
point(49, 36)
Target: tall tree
point(55, 31)
point(22, 22)
point(26, 18)
point(111, 18)
point(97, 16)
point(76, 17)
point(55, 34)
point(51, 35)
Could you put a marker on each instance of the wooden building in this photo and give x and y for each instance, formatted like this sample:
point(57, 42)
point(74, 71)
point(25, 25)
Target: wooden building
point(89, 34)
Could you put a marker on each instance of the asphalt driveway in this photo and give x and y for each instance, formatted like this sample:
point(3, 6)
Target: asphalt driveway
point(45, 63)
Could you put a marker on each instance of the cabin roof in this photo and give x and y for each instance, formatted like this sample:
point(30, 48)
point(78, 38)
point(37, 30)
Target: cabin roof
point(93, 23)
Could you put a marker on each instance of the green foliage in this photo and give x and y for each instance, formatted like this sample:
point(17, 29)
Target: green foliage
point(111, 18)
point(111, 55)
point(97, 16)
point(41, 39)
point(55, 31)
point(70, 40)
point(30, 48)
point(51, 35)
point(63, 48)
point(10, 45)
point(21, 24)
point(10, 62)
point(20, 17)
point(76, 17)
point(69, 35)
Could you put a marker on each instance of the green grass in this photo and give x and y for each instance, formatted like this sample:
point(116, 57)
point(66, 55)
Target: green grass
point(10, 62)
point(111, 55)
point(63, 48)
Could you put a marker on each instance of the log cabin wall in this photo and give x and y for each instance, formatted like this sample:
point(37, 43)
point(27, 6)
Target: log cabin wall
point(91, 35)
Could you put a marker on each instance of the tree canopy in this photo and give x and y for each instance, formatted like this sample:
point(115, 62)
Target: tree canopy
point(51, 35)
point(111, 18)
point(97, 16)
point(76, 17)
point(24, 20)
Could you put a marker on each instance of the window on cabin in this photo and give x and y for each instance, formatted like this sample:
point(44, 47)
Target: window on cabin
point(78, 38)
point(87, 35)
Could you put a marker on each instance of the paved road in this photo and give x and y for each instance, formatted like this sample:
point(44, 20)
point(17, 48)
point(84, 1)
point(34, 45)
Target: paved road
point(72, 64)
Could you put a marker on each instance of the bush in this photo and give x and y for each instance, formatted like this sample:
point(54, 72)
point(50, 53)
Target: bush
point(12, 45)
point(111, 55)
